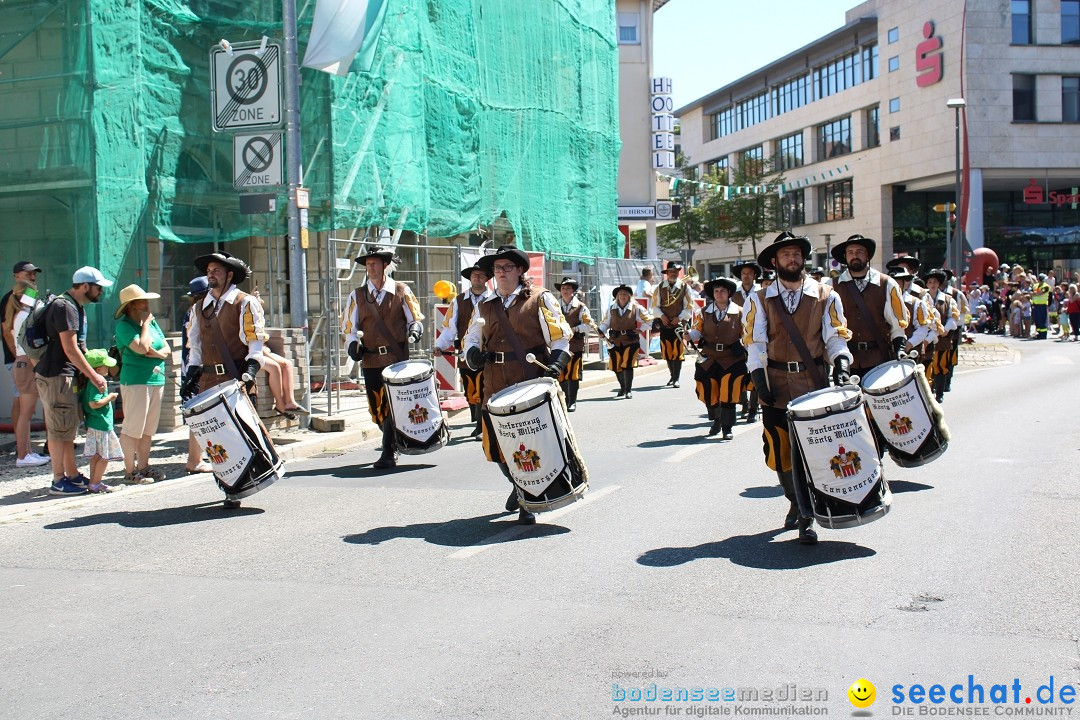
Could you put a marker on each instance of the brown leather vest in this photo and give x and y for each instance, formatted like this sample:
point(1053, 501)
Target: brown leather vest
point(739, 298)
point(228, 317)
point(573, 319)
point(621, 323)
point(861, 327)
point(807, 318)
point(726, 332)
point(945, 341)
point(392, 310)
point(671, 303)
point(464, 315)
point(524, 318)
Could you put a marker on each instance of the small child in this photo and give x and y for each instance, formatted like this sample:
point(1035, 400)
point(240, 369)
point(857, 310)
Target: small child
point(101, 445)
point(1016, 318)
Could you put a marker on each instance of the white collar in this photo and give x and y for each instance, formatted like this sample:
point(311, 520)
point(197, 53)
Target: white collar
point(479, 298)
point(753, 287)
point(574, 302)
point(229, 296)
point(711, 308)
point(388, 286)
point(873, 277)
point(495, 294)
point(810, 288)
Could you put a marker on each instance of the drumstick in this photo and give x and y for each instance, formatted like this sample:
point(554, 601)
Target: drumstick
point(529, 357)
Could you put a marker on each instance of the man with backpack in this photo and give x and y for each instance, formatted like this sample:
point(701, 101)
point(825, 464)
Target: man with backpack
point(63, 325)
point(24, 390)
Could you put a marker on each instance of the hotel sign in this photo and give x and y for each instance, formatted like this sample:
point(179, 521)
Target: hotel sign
point(663, 125)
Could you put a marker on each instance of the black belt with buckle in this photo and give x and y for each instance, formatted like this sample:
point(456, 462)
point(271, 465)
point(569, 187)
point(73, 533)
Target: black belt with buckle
point(220, 369)
point(792, 367)
point(501, 358)
point(721, 347)
point(866, 346)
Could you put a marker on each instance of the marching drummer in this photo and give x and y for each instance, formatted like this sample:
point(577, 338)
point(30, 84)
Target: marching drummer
point(381, 318)
point(516, 320)
point(453, 334)
point(720, 373)
point(950, 321)
point(873, 304)
point(224, 333)
point(672, 306)
point(787, 365)
point(963, 308)
point(578, 318)
point(920, 330)
point(621, 328)
point(748, 273)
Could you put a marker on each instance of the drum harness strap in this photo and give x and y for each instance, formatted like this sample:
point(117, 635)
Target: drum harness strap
point(882, 343)
point(531, 371)
point(222, 346)
point(381, 323)
point(798, 342)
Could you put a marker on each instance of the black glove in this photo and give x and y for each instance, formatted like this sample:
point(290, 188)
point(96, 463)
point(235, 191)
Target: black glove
point(415, 331)
point(251, 369)
point(657, 326)
point(558, 362)
point(356, 350)
point(189, 384)
point(898, 345)
point(475, 359)
point(761, 384)
point(841, 371)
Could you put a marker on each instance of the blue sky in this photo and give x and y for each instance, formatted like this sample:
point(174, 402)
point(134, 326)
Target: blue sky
point(704, 44)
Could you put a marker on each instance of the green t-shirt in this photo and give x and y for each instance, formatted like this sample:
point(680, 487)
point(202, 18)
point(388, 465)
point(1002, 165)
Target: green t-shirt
point(136, 369)
point(100, 418)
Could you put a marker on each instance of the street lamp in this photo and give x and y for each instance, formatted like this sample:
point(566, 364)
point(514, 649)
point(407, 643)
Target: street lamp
point(956, 258)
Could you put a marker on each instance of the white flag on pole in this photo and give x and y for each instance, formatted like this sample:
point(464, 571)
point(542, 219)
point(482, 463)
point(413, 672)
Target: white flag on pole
point(341, 31)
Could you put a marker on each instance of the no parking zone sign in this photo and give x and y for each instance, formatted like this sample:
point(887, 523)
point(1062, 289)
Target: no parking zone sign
point(257, 161)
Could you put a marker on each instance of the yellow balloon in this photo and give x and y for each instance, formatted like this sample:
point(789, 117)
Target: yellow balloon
point(862, 693)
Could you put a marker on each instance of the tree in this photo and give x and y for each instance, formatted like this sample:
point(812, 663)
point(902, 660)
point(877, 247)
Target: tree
point(746, 217)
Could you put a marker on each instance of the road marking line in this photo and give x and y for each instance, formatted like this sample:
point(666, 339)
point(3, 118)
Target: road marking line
point(706, 443)
point(25, 512)
point(512, 532)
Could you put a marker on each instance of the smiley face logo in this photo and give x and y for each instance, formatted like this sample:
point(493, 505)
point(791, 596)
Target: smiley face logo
point(862, 693)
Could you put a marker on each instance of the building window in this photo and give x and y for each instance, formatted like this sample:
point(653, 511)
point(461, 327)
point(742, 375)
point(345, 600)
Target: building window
point(1021, 22)
point(894, 133)
point(847, 71)
point(628, 29)
point(722, 123)
point(791, 95)
point(873, 131)
point(792, 209)
point(1023, 98)
point(834, 138)
point(894, 105)
point(1070, 99)
point(789, 152)
point(835, 201)
point(894, 35)
point(894, 63)
point(718, 166)
point(753, 110)
point(752, 159)
point(1070, 22)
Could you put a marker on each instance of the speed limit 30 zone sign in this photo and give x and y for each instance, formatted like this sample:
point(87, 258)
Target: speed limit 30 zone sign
point(246, 87)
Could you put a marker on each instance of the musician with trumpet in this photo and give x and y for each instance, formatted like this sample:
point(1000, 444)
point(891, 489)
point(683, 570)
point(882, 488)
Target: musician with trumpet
point(452, 335)
point(671, 307)
point(720, 374)
point(515, 321)
point(621, 330)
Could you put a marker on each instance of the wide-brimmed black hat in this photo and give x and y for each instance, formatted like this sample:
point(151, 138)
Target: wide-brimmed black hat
point(918, 281)
point(900, 273)
point(911, 263)
point(737, 268)
point(768, 275)
point(467, 272)
point(673, 265)
point(950, 274)
point(384, 254)
point(936, 273)
point(784, 239)
point(505, 252)
point(239, 268)
point(624, 286)
point(818, 271)
point(839, 253)
point(568, 281)
point(707, 291)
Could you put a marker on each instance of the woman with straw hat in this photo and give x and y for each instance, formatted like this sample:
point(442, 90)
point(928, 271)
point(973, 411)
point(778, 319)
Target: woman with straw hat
point(143, 352)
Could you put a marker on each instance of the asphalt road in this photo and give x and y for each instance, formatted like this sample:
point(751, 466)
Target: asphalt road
point(344, 592)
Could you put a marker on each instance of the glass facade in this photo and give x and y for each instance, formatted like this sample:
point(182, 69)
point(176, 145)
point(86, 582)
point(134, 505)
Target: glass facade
point(834, 138)
point(848, 71)
point(1021, 22)
point(1024, 98)
point(792, 209)
point(835, 201)
point(1070, 22)
point(789, 152)
point(873, 127)
point(1070, 99)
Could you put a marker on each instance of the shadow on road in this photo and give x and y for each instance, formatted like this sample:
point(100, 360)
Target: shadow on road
point(160, 517)
point(904, 486)
point(762, 491)
point(363, 470)
point(690, 426)
point(672, 442)
point(463, 532)
point(759, 551)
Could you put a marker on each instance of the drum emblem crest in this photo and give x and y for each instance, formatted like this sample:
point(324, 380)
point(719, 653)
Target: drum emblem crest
point(418, 415)
point(216, 452)
point(900, 425)
point(845, 463)
point(526, 460)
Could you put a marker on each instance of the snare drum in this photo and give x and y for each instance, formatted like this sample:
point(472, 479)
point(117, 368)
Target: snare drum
point(419, 425)
point(833, 440)
point(898, 397)
point(226, 427)
point(537, 444)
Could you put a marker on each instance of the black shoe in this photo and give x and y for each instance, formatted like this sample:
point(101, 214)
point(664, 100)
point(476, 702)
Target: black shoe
point(629, 394)
point(230, 504)
point(791, 520)
point(940, 398)
point(525, 517)
point(807, 534)
point(478, 430)
point(512, 502)
point(715, 429)
point(387, 460)
point(571, 408)
point(727, 434)
point(752, 417)
point(674, 383)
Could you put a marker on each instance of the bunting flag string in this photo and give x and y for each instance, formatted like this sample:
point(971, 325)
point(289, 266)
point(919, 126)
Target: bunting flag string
point(730, 191)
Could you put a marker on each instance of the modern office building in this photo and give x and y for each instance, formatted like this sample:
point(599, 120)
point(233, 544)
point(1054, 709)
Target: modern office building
point(860, 125)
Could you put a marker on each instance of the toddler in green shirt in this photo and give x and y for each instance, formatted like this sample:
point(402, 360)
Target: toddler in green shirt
point(102, 445)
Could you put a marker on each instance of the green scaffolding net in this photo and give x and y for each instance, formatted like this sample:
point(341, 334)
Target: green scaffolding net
point(473, 110)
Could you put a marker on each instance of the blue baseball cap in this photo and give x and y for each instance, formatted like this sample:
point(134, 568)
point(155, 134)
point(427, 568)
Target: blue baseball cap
point(198, 286)
point(90, 275)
